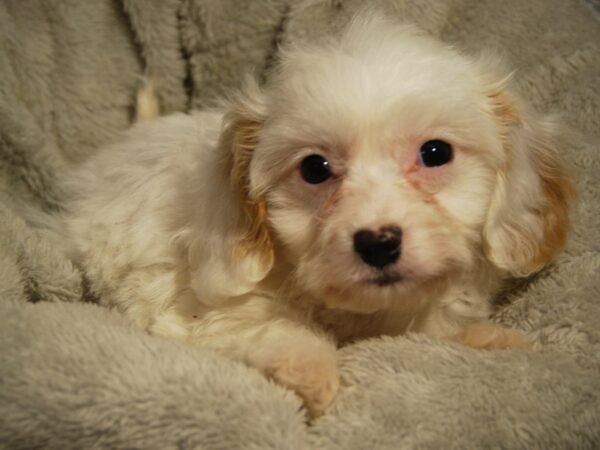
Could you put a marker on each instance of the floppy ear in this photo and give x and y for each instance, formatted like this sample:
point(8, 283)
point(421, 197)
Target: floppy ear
point(528, 218)
point(230, 249)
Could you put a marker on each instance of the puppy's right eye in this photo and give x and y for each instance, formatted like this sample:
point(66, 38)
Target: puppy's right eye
point(315, 169)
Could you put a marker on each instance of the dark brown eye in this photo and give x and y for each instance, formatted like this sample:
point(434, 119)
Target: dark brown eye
point(435, 153)
point(315, 169)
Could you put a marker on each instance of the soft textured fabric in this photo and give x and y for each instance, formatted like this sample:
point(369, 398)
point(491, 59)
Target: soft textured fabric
point(75, 375)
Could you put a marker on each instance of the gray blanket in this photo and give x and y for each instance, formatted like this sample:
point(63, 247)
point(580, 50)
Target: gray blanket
point(75, 375)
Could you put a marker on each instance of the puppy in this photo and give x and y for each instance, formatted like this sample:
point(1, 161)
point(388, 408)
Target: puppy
point(380, 182)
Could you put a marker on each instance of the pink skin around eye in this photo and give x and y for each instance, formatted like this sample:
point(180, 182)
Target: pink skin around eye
point(428, 179)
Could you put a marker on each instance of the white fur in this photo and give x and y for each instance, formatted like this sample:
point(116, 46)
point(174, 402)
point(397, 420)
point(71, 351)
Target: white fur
point(154, 219)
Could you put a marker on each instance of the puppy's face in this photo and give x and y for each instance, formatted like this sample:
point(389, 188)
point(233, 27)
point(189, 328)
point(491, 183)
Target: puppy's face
point(379, 160)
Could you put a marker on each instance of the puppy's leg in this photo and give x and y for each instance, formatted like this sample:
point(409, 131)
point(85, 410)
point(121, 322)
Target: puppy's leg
point(488, 336)
point(277, 340)
point(309, 368)
point(471, 328)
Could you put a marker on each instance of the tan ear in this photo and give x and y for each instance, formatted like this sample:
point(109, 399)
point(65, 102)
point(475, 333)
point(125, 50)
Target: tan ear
point(230, 248)
point(527, 223)
point(253, 236)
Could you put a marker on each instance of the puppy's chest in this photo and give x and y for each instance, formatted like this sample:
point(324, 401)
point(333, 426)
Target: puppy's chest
point(348, 327)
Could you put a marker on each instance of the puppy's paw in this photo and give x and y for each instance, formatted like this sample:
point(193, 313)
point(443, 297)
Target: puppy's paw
point(494, 337)
point(313, 375)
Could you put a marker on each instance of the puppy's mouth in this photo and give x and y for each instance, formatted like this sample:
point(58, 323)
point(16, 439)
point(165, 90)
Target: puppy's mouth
point(385, 279)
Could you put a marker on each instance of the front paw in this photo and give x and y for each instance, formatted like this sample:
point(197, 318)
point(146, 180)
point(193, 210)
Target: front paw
point(312, 374)
point(495, 337)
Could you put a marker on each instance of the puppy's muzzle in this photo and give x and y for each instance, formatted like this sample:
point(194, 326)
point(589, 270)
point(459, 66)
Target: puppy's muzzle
point(378, 248)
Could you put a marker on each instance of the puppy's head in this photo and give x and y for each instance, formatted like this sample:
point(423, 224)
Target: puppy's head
point(383, 163)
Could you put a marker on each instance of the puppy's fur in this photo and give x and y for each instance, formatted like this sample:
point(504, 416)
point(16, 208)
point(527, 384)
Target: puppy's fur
point(202, 227)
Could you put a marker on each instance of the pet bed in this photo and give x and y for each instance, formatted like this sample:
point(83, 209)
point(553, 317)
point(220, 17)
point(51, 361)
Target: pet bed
point(76, 375)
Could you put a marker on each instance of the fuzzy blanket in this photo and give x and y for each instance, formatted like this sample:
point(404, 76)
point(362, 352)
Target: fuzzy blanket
point(75, 375)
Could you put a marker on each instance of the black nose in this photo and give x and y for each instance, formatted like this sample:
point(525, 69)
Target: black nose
point(378, 248)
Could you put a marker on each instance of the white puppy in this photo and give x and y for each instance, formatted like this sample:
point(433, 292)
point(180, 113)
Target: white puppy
point(380, 182)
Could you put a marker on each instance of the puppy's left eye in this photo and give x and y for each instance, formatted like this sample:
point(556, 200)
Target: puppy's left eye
point(435, 153)
point(315, 169)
